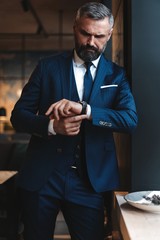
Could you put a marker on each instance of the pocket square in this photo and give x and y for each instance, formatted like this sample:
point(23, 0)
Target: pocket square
point(111, 85)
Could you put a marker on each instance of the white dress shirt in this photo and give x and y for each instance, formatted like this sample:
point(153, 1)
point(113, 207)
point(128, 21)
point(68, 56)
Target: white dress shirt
point(79, 70)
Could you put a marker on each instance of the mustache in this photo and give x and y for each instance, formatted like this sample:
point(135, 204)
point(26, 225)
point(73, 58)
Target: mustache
point(88, 47)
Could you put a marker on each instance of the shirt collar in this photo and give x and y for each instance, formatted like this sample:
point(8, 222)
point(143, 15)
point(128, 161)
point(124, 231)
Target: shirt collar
point(79, 62)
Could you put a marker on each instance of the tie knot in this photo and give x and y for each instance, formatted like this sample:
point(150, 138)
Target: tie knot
point(88, 65)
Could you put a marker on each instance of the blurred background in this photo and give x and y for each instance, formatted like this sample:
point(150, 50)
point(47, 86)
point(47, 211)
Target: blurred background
point(32, 29)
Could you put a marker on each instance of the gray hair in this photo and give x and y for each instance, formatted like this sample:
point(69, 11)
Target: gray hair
point(95, 10)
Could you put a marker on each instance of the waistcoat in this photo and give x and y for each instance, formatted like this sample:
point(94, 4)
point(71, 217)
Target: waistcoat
point(74, 142)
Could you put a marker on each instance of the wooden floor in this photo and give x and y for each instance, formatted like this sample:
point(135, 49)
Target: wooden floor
point(115, 236)
point(61, 230)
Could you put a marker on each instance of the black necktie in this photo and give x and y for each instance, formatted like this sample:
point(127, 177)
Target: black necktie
point(88, 81)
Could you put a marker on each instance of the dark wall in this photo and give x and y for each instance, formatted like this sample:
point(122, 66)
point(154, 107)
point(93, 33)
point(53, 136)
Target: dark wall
point(145, 59)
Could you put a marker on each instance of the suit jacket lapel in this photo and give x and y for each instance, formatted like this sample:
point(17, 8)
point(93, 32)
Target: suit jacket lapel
point(66, 71)
point(103, 72)
point(65, 67)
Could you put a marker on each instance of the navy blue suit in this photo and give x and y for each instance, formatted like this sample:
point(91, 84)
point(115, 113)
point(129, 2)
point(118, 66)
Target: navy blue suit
point(112, 107)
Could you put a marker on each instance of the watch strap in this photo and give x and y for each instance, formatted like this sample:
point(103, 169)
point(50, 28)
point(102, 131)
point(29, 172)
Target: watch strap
point(84, 107)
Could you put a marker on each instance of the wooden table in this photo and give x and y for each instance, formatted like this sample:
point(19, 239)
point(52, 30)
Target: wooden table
point(5, 175)
point(136, 224)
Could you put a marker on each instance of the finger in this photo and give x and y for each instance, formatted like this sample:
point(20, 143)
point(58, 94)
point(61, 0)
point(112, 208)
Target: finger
point(50, 109)
point(68, 107)
point(73, 131)
point(56, 114)
point(78, 118)
point(62, 109)
point(58, 108)
point(54, 110)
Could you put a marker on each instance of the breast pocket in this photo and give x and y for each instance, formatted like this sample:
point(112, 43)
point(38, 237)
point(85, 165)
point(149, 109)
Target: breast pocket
point(108, 95)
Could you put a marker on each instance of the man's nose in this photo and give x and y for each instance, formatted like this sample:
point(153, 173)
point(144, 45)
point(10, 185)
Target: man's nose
point(91, 40)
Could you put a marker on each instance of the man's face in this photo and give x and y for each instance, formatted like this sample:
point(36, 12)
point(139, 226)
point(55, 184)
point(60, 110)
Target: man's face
point(91, 37)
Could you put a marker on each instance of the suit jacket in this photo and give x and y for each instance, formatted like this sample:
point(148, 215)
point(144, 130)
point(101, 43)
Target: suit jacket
point(113, 109)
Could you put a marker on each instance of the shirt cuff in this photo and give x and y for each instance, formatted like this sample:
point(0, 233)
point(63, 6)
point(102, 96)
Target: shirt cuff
point(50, 128)
point(88, 113)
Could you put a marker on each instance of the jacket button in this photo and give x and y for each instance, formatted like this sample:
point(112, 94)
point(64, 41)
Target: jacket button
point(106, 124)
point(78, 147)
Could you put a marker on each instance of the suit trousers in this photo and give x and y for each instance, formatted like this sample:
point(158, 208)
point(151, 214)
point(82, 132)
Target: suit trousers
point(82, 207)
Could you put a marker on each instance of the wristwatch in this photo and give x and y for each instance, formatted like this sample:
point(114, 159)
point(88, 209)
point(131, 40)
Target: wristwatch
point(84, 107)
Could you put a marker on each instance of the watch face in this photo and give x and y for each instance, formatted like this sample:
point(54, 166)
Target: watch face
point(84, 107)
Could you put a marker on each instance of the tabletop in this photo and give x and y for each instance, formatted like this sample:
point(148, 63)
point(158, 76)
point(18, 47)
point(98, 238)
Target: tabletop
point(5, 175)
point(136, 224)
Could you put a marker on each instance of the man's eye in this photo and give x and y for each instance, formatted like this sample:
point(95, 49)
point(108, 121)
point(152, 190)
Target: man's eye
point(85, 34)
point(99, 36)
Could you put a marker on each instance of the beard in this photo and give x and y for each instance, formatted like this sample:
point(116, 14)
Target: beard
point(88, 53)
